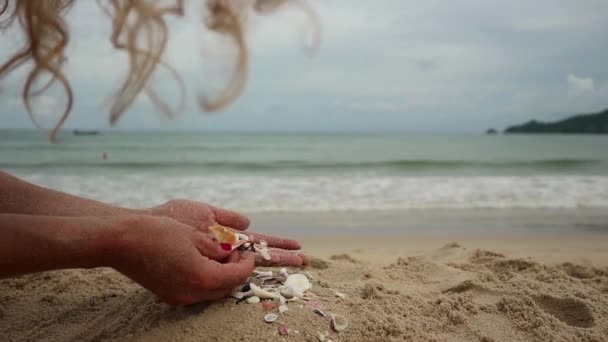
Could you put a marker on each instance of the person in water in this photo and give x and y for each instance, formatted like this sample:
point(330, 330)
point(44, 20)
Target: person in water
point(167, 249)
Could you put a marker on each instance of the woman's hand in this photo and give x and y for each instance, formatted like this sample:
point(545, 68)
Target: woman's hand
point(175, 261)
point(201, 216)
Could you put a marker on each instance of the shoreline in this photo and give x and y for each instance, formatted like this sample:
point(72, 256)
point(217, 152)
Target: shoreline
point(433, 221)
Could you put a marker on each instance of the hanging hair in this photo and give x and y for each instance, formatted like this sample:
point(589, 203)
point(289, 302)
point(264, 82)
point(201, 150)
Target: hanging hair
point(139, 28)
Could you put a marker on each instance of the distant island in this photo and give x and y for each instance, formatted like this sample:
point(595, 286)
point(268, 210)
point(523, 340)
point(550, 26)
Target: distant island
point(595, 123)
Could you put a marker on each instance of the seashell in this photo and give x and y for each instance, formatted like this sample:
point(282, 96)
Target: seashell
point(268, 305)
point(263, 274)
point(339, 294)
point(319, 312)
point(256, 281)
point(241, 295)
point(241, 240)
point(271, 317)
point(298, 282)
point(265, 253)
point(320, 337)
point(339, 323)
point(283, 273)
point(223, 234)
point(237, 295)
point(283, 308)
point(263, 294)
point(283, 330)
point(253, 300)
point(290, 292)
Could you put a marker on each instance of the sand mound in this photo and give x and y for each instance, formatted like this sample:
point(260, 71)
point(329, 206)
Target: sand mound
point(452, 294)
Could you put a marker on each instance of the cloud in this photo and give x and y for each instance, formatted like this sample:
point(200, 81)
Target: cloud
point(453, 66)
point(578, 86)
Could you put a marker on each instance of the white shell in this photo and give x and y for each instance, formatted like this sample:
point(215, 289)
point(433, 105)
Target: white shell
point(271, 317)
point(338, 323)
point(321, 337)
point(265, 253)
point(263, 274)
point(290, 292)
point(283, 273)
point(263, 294)
point(253, 300)
point(283, 308)
point(298, 282)
point(340, 294)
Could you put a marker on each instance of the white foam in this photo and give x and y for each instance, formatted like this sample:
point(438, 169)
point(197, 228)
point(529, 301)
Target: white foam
point(302, 194)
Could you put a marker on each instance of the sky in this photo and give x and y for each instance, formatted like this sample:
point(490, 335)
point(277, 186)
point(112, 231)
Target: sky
point(388, 65)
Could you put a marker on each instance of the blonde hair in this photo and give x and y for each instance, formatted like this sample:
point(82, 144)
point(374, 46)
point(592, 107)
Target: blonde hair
point(47, 36)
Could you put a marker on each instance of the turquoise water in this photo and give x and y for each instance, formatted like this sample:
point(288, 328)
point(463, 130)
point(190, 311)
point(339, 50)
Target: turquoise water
point(300, 172)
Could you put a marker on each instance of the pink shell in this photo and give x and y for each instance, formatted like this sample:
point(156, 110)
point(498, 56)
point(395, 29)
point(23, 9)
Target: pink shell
point(283, 330)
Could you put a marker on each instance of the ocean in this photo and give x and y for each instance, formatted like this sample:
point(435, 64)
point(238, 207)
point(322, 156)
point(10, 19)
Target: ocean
point(274, 172)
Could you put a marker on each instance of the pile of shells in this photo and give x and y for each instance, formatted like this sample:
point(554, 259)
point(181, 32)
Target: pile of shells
point(274, 289)
point(280, 287)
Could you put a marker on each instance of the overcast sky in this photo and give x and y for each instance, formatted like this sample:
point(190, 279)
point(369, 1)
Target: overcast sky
point(386, 65)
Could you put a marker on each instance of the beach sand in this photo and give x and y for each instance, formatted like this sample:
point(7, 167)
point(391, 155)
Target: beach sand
point(419, 285)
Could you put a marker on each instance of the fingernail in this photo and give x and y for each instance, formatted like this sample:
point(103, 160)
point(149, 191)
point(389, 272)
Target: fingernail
point(226, 246)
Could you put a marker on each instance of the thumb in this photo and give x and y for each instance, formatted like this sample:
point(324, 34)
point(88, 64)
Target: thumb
point(209, 248)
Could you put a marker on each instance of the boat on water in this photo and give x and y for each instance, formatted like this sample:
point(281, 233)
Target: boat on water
point(85, 132)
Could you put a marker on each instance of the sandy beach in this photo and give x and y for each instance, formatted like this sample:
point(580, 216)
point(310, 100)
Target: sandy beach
point(419, 285)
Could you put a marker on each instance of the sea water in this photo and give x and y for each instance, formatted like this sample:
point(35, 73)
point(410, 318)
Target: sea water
point(297, 172)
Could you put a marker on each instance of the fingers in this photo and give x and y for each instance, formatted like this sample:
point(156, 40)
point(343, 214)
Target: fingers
point(275, 241)
point(230, 275)
point(209, 248)
point(230, 218)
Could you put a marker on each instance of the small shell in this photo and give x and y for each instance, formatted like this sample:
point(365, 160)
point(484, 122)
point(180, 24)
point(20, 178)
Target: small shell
point(263, 274)
point(283, 330)
point(319, 312)
point(283, 308)
point(298, 282)
point(283, 273)
point(265, 253)
point(290, 292)
point(269, 305)
point(339, 323)
point(271, 317)
point(340, 294)
point(320, 337)
point(264, 294)
point(223, 235)
point(241, 295)
point(253, 300)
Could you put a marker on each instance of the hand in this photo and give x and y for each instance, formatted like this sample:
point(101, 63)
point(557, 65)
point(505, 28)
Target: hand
point(202, 215)
point(175, 261)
